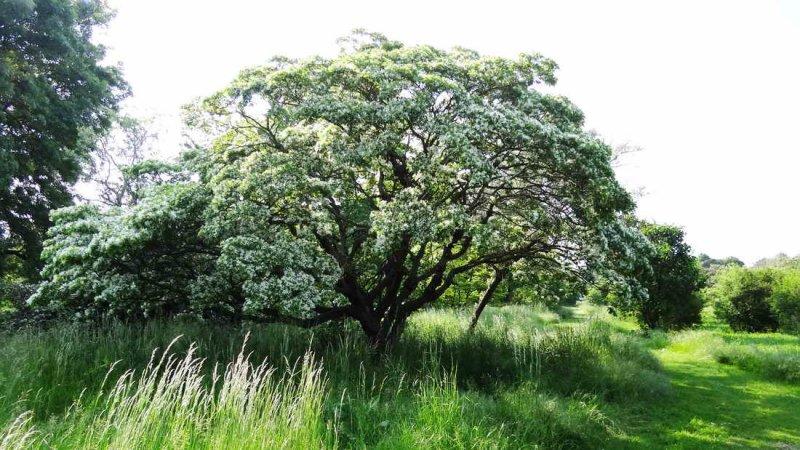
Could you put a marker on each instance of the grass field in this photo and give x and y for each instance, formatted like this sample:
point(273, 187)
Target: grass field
point(527, 378)
point(716, 405)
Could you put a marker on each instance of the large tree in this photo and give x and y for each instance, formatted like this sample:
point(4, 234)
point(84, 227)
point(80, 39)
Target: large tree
point(54, 91)
point(362, 187)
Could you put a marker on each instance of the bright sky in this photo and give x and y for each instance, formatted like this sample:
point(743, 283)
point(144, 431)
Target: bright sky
point(709, 89)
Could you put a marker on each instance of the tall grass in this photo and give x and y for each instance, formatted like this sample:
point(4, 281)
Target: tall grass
point(773, 356)
point(515, 382)
point(776, 356)
point(169, 404)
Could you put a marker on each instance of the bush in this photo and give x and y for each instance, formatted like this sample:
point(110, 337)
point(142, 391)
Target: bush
point(15, 294)
point(761, 299)
point(31, 319)
point(742, 299)
point(785, 301)
point(16, 314)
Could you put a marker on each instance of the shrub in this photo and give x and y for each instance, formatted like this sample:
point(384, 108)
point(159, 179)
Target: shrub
point(16, 314)
point(742, 299)
point(15, 294)
point(785, 301)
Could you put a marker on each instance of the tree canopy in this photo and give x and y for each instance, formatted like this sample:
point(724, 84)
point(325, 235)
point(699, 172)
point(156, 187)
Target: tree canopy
point(675, 280)
point(54, 91)
point(359, 186)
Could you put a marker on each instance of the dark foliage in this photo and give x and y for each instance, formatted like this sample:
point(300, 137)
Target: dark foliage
point(53, 94)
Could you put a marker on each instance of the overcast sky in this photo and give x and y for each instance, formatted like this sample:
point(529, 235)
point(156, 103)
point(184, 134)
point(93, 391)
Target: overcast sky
point(709, 90)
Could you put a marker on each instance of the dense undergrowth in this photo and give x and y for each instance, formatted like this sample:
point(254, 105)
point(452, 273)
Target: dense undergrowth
point(517, 381)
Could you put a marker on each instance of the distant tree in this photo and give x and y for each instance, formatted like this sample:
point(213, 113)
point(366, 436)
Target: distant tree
point(785, 300)
point(781, 260)
point(675, 282)
point(712, 266)
point(622, 151)
point(127, 143)
point(526, 282)
point(532, 285)
point(672, 278)
point(54, 92)
point(499, 273)
point(124, 165)
point(356, 187)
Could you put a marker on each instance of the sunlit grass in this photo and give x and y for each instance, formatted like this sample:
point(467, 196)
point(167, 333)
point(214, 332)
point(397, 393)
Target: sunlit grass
point(714, 406)
point(774, 356)
point(171, 403)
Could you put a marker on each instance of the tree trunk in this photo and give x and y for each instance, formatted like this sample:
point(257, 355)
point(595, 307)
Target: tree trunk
point(388, 335)
point(497, 278)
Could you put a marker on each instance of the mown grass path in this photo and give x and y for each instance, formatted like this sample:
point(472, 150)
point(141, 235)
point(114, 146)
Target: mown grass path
point(715, 406)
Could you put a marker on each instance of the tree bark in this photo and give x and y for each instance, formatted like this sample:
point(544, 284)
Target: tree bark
point(497, 278)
